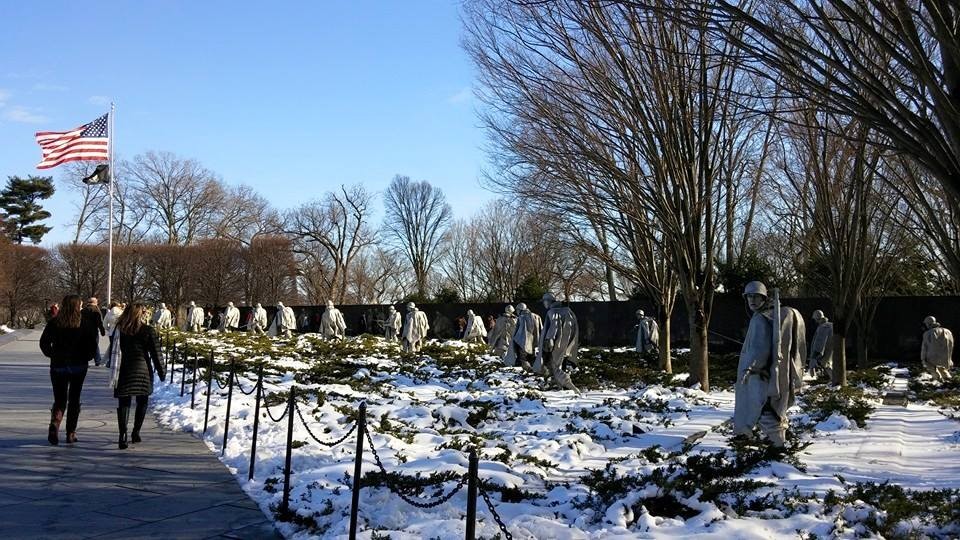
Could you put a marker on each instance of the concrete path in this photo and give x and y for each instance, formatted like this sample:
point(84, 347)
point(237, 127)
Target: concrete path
point(169, 486)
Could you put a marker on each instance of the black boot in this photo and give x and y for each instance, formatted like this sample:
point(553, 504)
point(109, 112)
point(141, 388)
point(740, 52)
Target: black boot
point(73, 417)
point(138, 415)
point(56, 416)
point(123, 413)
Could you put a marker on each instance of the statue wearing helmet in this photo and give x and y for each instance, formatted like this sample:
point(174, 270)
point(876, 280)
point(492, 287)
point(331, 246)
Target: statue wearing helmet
point(648, 334)
point(475, 331)
point(821, 348)
point(767, 384)
point(231, 318)
point(332, 325)
point(499, 338)
point(415, 327)
point(392, 324)
point(162, 318)
point(523, 344)
point(258, 323)
point(194, 317)
point(936, 353)
point(559, 342)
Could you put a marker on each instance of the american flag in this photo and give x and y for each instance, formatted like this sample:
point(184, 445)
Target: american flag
point(87, 142)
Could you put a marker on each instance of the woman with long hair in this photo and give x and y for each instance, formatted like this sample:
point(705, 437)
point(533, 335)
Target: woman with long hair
point(70, 341)
point(135, 354)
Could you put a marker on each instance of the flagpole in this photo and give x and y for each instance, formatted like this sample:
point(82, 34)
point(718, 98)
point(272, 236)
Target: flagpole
point(113, 177)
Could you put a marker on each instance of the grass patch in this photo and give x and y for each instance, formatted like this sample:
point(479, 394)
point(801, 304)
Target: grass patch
point(822, 401)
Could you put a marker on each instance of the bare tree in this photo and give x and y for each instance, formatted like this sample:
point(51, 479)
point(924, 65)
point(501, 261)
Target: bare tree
point(244, 215)
point(327, 235)
point(625, 108)
point(269, 269)
point(25, 283)
point(377, 277)
point(853, 235)
point(894, 65)
point(92, 202)
point(81, 268)
point(170, 269)
point(217, 274)
point(179, 196)
point(416, 217)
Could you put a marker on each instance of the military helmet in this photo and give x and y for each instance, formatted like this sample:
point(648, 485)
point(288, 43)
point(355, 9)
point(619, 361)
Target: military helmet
point(508, 310)
point(930, 321)
point(755, 287)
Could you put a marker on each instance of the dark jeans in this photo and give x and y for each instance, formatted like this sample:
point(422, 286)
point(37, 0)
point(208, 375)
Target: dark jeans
point(67, 385)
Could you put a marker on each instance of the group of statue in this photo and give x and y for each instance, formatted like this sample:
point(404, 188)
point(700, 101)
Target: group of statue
point(769, 374)
point(412, 332)
point(770, 371)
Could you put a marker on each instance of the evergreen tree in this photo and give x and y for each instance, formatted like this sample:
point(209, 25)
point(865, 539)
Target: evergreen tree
point(20, 201)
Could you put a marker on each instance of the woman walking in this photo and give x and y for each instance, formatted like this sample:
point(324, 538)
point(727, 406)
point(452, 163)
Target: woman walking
point(136, 352)
point(70, 341)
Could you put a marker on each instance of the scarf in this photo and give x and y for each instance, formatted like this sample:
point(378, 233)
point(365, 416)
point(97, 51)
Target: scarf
point(115, 359)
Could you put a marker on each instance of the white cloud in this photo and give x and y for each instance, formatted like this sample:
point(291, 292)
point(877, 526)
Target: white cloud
point(24, 115)
point(4, 96)
point(464, 95)
point(100, 101)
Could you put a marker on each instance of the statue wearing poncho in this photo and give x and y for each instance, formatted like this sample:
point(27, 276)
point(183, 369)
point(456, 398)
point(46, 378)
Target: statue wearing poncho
point(415, 327)
point(502, 333)
point(332, 325)
point(766, 387)
point(559, 342)
point(524, 342)
point(475, 331)
point(392, 325)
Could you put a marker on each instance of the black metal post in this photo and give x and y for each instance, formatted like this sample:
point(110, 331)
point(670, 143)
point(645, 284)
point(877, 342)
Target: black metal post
point(183, 373)
point(226, 421)
point(358, 468)
point(256, 422)
point(206, 413)
point(173, 365)
point(285, 505)
point(472, 466)
point(193, 382)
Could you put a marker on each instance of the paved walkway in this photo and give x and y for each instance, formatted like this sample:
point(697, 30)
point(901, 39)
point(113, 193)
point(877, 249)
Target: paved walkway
point(169, 486)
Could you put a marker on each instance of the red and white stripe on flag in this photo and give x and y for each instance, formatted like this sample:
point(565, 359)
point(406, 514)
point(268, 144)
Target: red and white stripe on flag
point(89, 142)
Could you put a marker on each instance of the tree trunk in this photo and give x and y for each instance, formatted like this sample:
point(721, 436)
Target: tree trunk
point(611, 286)
point(839, 376)
point(699, 354)
point(863, 347)
point(666, 363)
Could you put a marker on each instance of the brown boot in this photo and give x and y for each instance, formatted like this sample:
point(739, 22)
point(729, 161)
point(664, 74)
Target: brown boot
point(56, 416)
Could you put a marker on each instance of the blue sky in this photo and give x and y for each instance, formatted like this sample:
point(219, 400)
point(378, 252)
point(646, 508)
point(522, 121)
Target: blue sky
point(290, 98)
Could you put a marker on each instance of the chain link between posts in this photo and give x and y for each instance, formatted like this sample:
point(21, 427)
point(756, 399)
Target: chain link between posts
point(286, 410)
point(493, 510)
point(413, 502)
point(314, 437)
point(236, 379)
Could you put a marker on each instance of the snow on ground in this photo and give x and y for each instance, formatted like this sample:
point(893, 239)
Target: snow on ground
point(537, 449)
point(5, 329)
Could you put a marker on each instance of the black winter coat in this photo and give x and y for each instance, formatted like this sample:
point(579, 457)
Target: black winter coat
point(139, 355)
point(70, 346)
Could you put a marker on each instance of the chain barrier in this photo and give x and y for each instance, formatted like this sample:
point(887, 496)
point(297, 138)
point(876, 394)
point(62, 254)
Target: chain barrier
point(236, 379)
point(282, 416)
point(217, 380)
point(396, 491)
point(314, 437)
point(493, 510)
